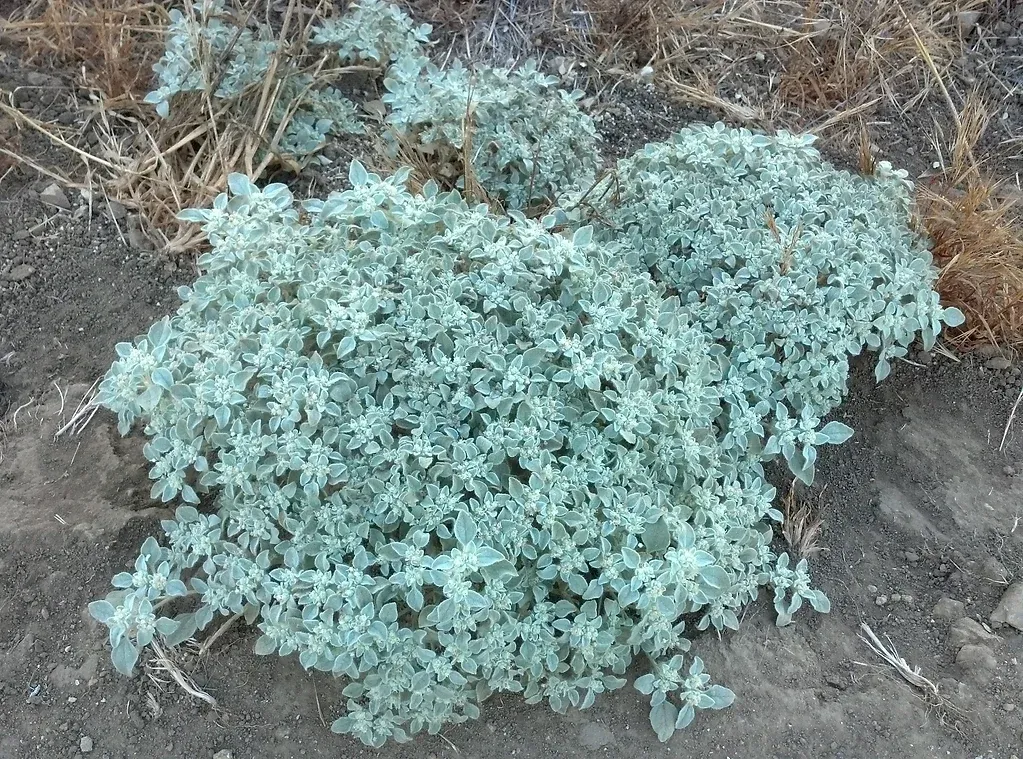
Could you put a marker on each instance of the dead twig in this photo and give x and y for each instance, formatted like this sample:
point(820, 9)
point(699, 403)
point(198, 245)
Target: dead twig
point(164, 664)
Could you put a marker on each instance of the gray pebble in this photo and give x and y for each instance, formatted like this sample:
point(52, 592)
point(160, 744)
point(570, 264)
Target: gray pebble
point(18, 273)
point(85, 744)
point(54, 196)
point(948, 608)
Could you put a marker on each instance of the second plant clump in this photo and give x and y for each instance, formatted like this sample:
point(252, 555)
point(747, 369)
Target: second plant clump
point(456, 452)
point(523, 140)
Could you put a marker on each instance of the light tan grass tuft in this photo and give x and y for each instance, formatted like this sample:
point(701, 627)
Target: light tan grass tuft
point(113, 43)
point(854, 50)
point(978, 240)
point(803, 524)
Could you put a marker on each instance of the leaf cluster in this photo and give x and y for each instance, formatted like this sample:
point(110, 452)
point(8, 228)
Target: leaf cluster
point(790, 265)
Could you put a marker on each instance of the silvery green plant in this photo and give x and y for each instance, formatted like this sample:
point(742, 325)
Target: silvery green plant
point(207, 50)
point(528, 142)
point(372, 31)
point(788, 265)
point(449, 454)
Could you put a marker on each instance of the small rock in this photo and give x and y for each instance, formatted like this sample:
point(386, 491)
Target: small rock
point(18, 273)
point(993, 571)
point(978, 661)
point(1009, 610)
point(872, 589)
point(968, 20)
point(881, 600)
point(54, 196)
point(37, 79)
point(987, 350)
point(136, 237)
point(85, 744)
point(223, 754)
point(1009, 470)
point(896, 597)
point(912, 557)
point(22, 97)
point(22, 234)
point(998, 363)
point(924, 357)
point(948, 608)
point(117, 210)
point(966, 631)
point(835, 682)
point(594, 735)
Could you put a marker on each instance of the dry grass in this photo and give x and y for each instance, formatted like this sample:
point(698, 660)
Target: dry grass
point(948, 713)
point(978, 241)
point(853, 51)
point(695, 49)
point(979, 248)
point(803, 524)
point(112, 43)
point(157, 166)
point(792, 62)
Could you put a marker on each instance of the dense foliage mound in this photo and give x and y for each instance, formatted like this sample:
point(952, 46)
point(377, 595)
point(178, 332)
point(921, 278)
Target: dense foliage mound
point(522, 140)
point(788, 264)
point(526, 142)
point(453, 452)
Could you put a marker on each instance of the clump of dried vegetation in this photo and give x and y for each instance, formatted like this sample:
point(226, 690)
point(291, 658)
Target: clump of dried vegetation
point(972, 217)
point(113, 43)
point(803, 525)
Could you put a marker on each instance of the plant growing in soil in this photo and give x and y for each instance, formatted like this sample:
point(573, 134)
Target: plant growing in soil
point(511, 133)
point(452, 452)
point(208, 50)
point(455, 453)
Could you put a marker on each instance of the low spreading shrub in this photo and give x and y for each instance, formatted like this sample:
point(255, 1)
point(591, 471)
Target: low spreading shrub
point(373, 31)
point(524, 140)
point(451, 452)
point(520, 138)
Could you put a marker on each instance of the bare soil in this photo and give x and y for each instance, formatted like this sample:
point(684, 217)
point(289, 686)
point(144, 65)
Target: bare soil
point(923, 504)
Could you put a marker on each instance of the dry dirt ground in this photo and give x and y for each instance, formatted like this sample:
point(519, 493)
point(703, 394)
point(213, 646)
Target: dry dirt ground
point(923, 536)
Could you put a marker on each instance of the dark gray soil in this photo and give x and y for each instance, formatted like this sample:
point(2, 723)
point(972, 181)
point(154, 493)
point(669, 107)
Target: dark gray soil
point(922, 514)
